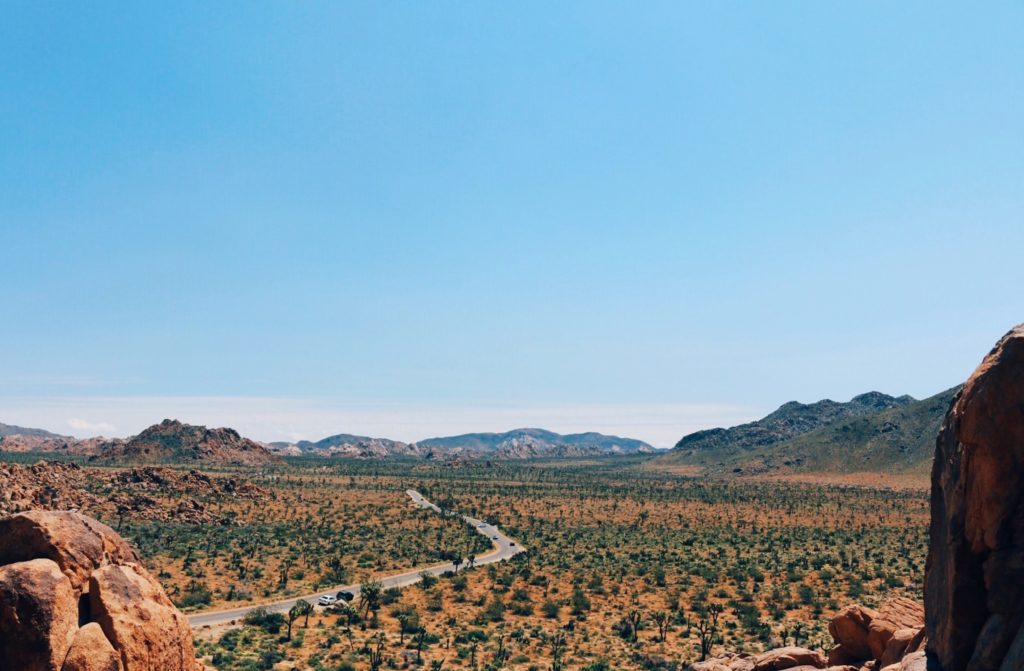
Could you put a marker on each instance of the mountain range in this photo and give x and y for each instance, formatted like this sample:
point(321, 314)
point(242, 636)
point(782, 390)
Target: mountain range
point(871, 432)
point(515, 444)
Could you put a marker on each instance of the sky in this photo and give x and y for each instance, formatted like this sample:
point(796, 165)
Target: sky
point(411, 219)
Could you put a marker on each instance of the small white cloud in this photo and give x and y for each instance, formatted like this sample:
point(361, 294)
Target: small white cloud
point(94, 427)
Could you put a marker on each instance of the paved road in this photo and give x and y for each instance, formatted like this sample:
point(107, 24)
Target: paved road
point(504, 548)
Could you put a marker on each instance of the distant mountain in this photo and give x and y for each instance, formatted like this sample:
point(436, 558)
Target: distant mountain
point(11, 430)
point(872, 432)
point(529, 443)
point(347, 445)
point(172, 441)
point(790, 420)
point(21, 439)
point(518, 444)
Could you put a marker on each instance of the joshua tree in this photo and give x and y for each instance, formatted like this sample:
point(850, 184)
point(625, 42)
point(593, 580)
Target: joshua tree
point(305, 608)
point(403, 622)
point(707, 628)
point(557, 650)
point(294, 613)
point(634, 624)
point(369, 596)
point(661, 618)
point(377, 653)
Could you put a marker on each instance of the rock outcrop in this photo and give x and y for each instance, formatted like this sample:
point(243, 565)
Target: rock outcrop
point(172, 441)
point(881, 636)
point(74, 597)
point(38, 615)
point(974, 582)
point(865, 638)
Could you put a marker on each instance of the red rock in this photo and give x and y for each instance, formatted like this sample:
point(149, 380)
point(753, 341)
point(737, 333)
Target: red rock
point(140, 621)
point(77, 543)
point(918, 642)
point(974, 577)
point(787, 658)
point(903, 612)
point(879, 633)
point(914, 662)
point(38, 615)
point(896, 647)
point(849, 629)
point(91, 651)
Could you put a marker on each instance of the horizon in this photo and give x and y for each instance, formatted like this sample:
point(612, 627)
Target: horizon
point(432, 220)
point(727, 417)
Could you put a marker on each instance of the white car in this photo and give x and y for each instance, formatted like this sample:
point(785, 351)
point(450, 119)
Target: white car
point(327, 600)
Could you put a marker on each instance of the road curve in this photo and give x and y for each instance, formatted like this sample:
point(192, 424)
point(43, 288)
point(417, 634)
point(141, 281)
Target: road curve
point(504, 548)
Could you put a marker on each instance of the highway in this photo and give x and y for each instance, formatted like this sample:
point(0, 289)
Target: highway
point(504, 548)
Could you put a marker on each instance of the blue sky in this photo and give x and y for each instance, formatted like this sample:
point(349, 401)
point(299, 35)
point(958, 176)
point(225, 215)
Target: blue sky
point(418, 218)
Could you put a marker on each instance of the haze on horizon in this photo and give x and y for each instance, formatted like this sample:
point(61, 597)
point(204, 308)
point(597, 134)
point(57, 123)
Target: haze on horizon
point(418, 220)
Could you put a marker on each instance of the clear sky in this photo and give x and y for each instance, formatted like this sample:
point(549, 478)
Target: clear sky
point(419, 218)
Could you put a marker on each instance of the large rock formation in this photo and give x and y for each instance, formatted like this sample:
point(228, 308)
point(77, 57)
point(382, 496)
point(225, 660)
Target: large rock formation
point(74, 597)
point(172, 441)
point(974, 583)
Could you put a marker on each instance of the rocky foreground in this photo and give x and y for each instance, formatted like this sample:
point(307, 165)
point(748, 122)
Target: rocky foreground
point(74, 596)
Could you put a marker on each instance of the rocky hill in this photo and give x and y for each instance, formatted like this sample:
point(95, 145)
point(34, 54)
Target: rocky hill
point(531, 443)
point(517, 444)
point(172, 441)
point(11, 430)
point(871, 432)
point(790, 420)
point(347, 445)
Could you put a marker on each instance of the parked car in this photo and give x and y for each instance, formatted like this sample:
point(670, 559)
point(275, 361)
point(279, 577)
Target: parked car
point(345, 595)
point(494, 538)
point(326, 600)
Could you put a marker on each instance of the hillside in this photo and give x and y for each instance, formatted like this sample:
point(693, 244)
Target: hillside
point(528, 443)
point(790, 420)
point(874, 432)
point(172, 441)
point(11, 430)
point(20, 439)
point(348, 445)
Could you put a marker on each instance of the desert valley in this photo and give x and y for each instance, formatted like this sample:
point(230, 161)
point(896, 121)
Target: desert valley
point(798, 540)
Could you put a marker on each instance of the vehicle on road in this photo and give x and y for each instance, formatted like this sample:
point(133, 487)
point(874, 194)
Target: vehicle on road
point(326, 600)
point(494, 538)
point(345, 595)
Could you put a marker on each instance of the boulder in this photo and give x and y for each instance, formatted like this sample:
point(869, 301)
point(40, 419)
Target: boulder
point(788, 658)
point(77, 543)
point(849, 629)
point(974, 576)
point(916, 661)
point(73, 598)
point(840, 656)
point(38, 615)
point(903, 612)
point(896, 646)
point(91, 651)
point(149, 633)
